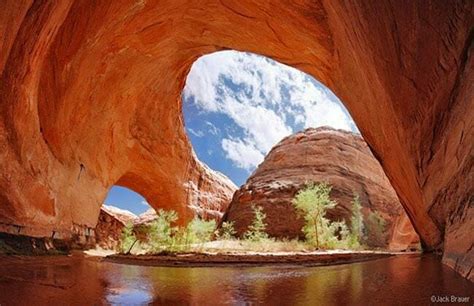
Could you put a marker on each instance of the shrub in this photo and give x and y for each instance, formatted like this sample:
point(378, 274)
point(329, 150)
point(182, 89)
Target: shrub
point(337, 236)
point(163, 237)
point(128, 239)
point(256, 230)
point(161, 232)
point(357, 224)
point(200, 231)
point(312, 203)
point(180, 241)
point(376, 227)
point(227, 230)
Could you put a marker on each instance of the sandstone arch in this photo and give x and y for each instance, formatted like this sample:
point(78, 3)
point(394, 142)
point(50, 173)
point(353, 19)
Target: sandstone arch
point(97, 84)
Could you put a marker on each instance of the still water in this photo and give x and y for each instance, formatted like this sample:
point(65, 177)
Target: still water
point(76, 280)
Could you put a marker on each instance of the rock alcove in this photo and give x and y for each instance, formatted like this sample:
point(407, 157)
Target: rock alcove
point(89, 98)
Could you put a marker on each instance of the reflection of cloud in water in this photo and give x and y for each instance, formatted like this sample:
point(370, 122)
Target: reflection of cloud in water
point(127, 285)
point(128, 296)
point(273, 273)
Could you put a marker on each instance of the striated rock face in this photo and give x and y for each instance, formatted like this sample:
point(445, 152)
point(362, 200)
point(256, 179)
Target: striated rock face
point(402, 235)
point(89, 98)
point(339, 158)
point(142, 223)
point(109, 228)
point(211, 194)
point(146, 218)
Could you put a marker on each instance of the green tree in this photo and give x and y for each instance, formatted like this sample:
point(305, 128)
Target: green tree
point(128, 239)
point(256, 230)
point(200, 231)
point(357, 223)
point(312, 203)
point(227, 230)
point(376, 227)
point(161, 231)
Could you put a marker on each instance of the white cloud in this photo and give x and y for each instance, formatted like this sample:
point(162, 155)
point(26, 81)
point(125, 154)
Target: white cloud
point(244, 155)
point(262, 126)
point(196, 133)
point(265, 99)
point(212, 128)
point(144, 203)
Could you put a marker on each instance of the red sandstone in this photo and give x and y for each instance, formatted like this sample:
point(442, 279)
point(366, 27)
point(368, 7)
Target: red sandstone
point(339, 158)
point(90, 97)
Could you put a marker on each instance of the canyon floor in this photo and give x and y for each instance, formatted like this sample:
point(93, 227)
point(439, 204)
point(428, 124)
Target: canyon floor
point(244, 253)
point(241, 259)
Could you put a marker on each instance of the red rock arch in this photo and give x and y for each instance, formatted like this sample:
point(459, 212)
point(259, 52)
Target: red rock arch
point(98, 83)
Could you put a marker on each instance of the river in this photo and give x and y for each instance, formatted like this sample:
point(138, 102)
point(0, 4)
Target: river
point(78, 280)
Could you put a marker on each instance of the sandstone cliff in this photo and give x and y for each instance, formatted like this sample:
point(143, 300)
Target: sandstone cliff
point(339, 158)
point(109, 228)
point(89, 98)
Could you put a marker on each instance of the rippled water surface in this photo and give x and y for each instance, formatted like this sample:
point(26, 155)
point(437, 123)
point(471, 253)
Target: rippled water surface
point(75, 280)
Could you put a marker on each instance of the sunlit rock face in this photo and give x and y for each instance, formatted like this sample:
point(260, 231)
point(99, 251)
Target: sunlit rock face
point(90, 97)
point(109, 228)
point(141, 225)
point(341, 159)
point(113, 220)
point(210, 194)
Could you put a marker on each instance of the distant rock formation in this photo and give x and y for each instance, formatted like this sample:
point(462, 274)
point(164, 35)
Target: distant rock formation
point(210, 194)
point(111, 222)
point(109, 228)
point(340, 158)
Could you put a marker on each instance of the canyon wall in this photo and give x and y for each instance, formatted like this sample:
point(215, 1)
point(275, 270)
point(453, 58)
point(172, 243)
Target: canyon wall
point(109, 227)
point(90, 97)
point(341, 159)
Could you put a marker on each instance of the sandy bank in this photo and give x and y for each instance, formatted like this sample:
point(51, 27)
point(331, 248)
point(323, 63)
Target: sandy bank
point(249, 259)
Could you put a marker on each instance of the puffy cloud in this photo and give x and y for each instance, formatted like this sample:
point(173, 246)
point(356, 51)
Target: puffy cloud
point(266, 100)
point(244, 155)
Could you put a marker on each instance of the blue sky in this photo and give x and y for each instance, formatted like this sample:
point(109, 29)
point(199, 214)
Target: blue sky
point(127, 199)
point(237, 106)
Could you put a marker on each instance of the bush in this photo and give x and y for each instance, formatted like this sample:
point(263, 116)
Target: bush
point(227, 231)
point(256, 230)
point(161, 232)
point(200, 231)
point(376, 227)
point(312, 203)
point(357, 224)
point(163, 237)
point(337, 236)
point(128, 239)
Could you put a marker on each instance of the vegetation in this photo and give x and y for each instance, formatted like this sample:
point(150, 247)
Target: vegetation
point(164, 237)
point(227, 231)
point(312, 203)
point(199, 231)
point(357, 224)
point(376, 227)
point(128, 239)
point(256, 231)
point(161, 233)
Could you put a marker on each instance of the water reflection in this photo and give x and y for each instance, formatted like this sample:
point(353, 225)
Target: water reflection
point(77, 280)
